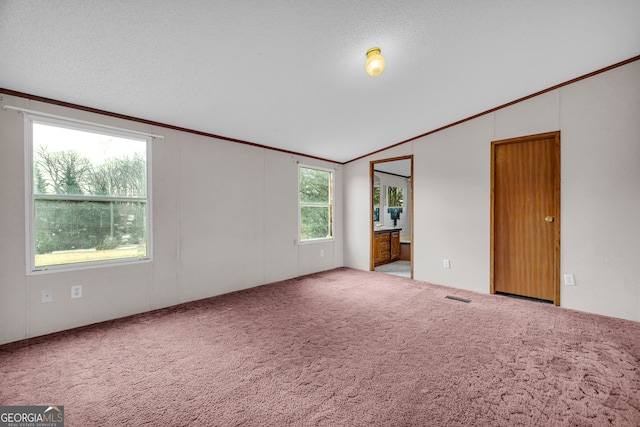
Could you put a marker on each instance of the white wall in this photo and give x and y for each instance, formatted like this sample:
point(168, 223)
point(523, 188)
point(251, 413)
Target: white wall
point(452, 206)
point(600, 193)
point(600, 118)
point(357, 214)
point(224, 218)
point(199, 252)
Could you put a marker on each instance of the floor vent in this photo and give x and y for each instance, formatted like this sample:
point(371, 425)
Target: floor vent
point(458, 298)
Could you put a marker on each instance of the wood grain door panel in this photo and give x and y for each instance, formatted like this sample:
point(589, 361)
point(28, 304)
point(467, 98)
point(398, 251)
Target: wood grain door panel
point(525, 216)
point(395, 245)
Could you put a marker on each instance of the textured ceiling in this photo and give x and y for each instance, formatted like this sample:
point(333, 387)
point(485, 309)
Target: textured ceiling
point(290, 74)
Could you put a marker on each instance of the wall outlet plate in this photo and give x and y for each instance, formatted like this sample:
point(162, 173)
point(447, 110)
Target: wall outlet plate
point(47, 295)
point(76, 291)
point(569, 280)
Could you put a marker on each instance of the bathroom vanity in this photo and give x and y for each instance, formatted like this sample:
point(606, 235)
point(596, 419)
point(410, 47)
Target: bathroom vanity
point(386, 245)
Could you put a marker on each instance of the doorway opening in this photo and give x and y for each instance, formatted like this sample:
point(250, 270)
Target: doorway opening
point(391, 210)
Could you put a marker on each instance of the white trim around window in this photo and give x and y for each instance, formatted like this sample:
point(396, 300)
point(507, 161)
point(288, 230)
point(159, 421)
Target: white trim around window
point(322, 228)
point(88, 195)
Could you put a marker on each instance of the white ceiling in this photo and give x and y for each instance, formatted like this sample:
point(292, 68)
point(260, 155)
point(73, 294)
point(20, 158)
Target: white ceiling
point(290, 74)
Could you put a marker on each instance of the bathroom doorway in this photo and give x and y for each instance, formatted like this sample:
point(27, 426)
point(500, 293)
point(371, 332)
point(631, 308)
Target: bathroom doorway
point(391, 208)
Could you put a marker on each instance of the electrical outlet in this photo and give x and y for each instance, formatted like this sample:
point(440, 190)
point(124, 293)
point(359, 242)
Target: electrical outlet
point(446, 263)
point(321, 253)
point(47, 295)
point(76, 291)
point(569, 280)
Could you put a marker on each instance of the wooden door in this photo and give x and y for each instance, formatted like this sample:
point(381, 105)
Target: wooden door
point(525, 216)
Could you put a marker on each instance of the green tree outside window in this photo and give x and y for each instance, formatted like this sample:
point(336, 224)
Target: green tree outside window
point(316, 208)
point(395, 197)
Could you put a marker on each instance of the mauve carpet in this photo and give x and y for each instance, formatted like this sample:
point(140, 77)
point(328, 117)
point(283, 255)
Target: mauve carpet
point(338, 348)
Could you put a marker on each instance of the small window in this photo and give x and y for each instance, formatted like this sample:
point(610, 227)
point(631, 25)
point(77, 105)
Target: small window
point(395, 197)
point(89, 195)
point(316, 204)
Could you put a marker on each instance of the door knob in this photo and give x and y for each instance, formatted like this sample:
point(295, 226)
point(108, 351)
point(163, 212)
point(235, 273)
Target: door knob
point(549, 218)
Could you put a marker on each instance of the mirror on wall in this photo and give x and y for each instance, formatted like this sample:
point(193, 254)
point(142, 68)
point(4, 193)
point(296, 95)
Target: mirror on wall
point(394, 203)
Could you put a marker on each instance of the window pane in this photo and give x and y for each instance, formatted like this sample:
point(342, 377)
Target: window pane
point(315, 186)
point(395, 196)
point(79, 231)
point(78, 162)
point(315, 222)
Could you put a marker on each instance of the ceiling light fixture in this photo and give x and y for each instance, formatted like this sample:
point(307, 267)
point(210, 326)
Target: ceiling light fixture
point(375, 62)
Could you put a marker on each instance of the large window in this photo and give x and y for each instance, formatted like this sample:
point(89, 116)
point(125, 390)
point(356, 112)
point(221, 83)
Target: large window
point(88, 200)
point(316, 204)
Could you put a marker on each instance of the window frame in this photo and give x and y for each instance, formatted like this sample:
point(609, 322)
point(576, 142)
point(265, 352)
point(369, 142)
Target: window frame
point(330, 205)
point(402, 191)
point(30, 196)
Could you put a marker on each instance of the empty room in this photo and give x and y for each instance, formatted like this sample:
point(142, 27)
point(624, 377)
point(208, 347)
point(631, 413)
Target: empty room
point(320, 213)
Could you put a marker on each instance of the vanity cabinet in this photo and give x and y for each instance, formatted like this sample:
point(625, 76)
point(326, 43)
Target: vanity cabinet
point(386, 246)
